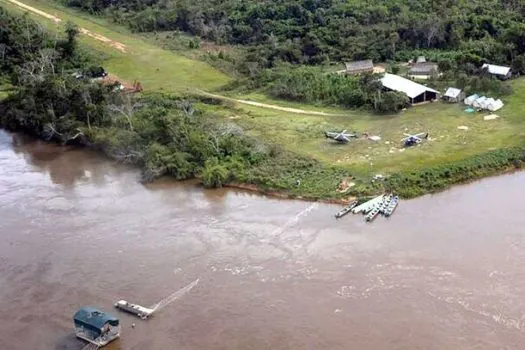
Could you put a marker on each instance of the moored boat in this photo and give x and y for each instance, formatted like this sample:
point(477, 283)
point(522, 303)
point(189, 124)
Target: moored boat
point(346, 209)
point(392, 206)
point(140, 311)
point(372, 214)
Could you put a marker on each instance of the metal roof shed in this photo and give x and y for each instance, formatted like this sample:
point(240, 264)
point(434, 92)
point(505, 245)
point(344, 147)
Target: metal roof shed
point(499, 71)
point(416, 92)
point(357, 67)
point(454, 95)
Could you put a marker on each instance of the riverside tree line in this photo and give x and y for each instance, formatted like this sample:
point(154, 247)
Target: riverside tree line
point(163, 135)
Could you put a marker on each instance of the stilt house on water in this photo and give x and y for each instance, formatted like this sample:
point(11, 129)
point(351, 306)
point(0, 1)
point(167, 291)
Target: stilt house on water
point(416, 92)
point(95, 326)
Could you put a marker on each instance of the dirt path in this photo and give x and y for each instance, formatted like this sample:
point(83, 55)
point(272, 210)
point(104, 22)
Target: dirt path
point(122, 48)
point(115, 44)
point(269, 106)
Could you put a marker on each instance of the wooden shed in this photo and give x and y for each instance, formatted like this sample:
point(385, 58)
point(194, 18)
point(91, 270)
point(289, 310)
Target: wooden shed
point(358, 67)
point(454, 95)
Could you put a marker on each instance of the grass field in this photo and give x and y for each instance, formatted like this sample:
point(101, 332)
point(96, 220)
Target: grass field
point(163, 70)
point(155, 68)
point(305, 134)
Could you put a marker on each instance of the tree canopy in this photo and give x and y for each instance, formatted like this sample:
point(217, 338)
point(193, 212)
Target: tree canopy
point(311, 31)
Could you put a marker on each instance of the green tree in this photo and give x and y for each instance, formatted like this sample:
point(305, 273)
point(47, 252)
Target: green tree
point(214, 174)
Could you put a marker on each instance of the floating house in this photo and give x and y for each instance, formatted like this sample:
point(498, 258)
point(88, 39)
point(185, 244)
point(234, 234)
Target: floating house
point(358, 67)
point(95, 326)
point(454, 95)
point(416, 92)
point(500, 72)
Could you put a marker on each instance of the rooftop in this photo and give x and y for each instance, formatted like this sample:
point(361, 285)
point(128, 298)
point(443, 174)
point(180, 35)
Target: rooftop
point(92, 318)
point(409, 87)
point(452, 92)
point(497, 70)
point(424, 68)
point(359, 65)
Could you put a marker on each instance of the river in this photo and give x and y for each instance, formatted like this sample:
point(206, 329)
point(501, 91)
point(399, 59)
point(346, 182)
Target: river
point(445, 272)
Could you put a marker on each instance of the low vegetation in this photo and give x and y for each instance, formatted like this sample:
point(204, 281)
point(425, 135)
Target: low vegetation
point(222, 143)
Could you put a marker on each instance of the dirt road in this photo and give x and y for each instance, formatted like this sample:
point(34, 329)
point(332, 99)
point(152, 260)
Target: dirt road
point(122, 48)
point(268, 106)
point(115, 44)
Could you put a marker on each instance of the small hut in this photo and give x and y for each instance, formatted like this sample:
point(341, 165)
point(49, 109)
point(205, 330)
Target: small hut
point(95, 326)
point(423, 70)
point(454, 95)
point(358, 67)
point(416, 92)
point(501, 72)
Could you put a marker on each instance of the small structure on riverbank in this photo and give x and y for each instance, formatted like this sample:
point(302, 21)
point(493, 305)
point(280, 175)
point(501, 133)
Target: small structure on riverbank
point(416, 92)
point(95, 326)
point(454, 95)
point(358, 67)
point(423, 70)
point(501, 72)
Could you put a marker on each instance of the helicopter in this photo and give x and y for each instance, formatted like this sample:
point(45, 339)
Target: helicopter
point(341, 137)
point(412, 140)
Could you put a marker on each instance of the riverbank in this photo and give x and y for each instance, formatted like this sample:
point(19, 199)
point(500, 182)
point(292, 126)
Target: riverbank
point(292, 135)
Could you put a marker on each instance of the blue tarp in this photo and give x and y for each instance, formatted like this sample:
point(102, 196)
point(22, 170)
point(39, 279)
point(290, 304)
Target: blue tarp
point(470, 110)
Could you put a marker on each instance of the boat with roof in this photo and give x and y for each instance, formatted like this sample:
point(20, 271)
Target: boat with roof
point(95, 326)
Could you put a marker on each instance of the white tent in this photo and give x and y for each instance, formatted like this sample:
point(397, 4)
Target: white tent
point(470, 100)
point(494, 106)
point(478, 103)
point(486, 103)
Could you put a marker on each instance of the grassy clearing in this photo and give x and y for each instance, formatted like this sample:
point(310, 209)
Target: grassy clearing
point(301, 134)
point(304, 134)
point(155, 68)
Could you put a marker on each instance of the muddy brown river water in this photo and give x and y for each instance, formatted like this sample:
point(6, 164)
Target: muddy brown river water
point(445, 272)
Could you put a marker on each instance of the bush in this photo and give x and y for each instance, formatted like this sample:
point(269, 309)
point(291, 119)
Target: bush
point(214, 174)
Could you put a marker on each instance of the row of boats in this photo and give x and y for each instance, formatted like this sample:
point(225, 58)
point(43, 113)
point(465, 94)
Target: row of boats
point(385, 204)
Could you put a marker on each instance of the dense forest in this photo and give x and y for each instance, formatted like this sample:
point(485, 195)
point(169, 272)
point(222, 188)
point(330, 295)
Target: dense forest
point(281, 40)
point(314, 31)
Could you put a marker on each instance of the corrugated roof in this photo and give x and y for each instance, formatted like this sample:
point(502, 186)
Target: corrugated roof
point(94, 319)
point(410, 88)
point(424, 68)
point(453, 92)
point(497, 70)
point(359, 65)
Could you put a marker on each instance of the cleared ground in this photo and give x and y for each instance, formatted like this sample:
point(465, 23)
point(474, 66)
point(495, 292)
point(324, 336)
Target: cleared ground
point(136, 59)
point(162, 70)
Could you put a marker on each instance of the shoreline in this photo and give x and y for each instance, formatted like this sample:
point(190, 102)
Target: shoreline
point(282, 195)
